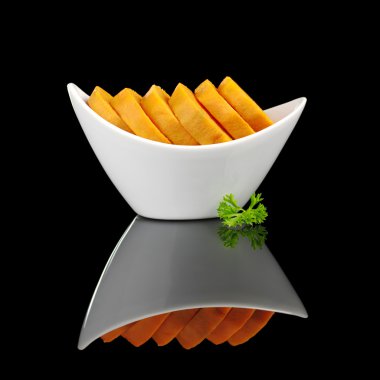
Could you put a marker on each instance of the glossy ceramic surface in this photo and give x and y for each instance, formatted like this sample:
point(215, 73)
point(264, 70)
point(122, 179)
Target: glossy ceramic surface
point(174, 182)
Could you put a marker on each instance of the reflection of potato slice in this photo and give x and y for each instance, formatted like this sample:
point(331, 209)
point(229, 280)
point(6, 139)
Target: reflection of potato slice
point(200, 327)
point(127, 105)
point(218, 107)
point(194, 118)
point(99, 101)
point(192, 326)
point(141, 331)
point(233, 322)
point(257, 322)
point(112, 335)
point(173, 325)
point(244, 105)
point(156, 106)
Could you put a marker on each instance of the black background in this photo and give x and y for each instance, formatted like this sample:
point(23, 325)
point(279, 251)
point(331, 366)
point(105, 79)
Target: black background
point(92, 216)
point(66, 215)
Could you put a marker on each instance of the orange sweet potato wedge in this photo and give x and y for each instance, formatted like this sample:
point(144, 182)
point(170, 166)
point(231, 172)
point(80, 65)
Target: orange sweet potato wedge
point(202, 324)
point(220, 109)
point(99, 101)
point(258, 320)
point(127, 104)
point(195, 119)
point(244, 105)
point(141, 331)
point(156, 105)
point(173, 325)
point(233, 322)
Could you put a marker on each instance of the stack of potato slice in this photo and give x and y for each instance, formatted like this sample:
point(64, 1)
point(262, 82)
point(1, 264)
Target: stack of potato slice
point(191, 327)
point(210, 115)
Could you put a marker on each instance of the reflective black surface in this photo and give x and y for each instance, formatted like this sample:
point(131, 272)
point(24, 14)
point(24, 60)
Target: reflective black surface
point(162, 266)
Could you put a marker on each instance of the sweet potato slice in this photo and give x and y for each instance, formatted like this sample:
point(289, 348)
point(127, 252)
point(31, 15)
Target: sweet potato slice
point(233, 322)
point(127, 104)
point(156, 105)
point(173, 325)
point(99, 101)
point(220, 109)
point(244, 104)
point(202, 324)
point(141, 331)
point(258, 320)
point(194, 118)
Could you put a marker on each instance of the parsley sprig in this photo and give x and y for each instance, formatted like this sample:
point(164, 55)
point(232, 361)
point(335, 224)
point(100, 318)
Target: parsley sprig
point(235, 216)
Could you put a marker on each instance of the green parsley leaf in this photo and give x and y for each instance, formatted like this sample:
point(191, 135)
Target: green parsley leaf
point(235, 216)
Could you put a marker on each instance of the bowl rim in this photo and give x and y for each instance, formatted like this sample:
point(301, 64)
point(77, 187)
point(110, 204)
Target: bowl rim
point(80, 95)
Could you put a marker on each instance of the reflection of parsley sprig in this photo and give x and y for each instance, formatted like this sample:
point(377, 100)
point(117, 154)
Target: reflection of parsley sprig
point(229, 237)
point(235, 216)
point(256, 235)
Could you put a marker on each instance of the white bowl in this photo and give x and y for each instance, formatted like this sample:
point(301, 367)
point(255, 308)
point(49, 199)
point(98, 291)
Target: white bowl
point(163, 181)
point(163, 266)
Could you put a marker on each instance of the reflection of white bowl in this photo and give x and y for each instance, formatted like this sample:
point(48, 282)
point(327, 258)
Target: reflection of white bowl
point(165, 181)
point(163, 266)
